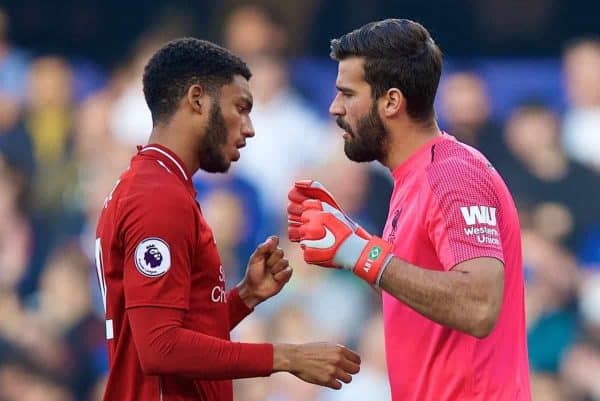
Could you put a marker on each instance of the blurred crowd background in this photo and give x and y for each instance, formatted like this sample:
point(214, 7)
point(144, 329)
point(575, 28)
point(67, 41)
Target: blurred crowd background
point(521, 82)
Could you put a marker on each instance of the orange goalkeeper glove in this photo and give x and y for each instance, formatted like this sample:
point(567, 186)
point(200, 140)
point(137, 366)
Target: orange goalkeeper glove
point(328, 238)
point(310, 189)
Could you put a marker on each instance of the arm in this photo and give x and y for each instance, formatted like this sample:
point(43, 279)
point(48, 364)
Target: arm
point(267, 272)
point(166, 348)
point(466, 298)
point(159, 239)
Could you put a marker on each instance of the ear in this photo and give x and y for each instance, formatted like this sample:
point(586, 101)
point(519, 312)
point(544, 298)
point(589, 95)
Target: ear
point(393, 102)
point(196, 98)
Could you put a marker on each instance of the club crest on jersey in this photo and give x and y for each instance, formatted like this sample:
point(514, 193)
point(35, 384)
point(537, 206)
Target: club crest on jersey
point(152, 257)
point(392, 235)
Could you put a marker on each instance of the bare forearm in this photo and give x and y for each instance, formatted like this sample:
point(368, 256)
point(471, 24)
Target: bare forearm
point(457, 299)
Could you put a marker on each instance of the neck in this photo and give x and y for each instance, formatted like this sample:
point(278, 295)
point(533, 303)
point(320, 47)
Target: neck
point(405, 139)
point(172, 136)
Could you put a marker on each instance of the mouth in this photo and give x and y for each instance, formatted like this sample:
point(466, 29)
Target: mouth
point(344, 127)
point(236, 150)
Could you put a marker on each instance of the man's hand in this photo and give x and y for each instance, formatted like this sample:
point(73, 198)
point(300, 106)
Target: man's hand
point(329, 240)
point(318, 363)
point(267, 272)
point(310, 189)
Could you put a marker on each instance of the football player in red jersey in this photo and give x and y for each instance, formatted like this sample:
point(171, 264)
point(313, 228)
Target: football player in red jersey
point(168, 316)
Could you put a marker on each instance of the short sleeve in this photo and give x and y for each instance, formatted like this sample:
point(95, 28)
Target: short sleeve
point(158, 237)
point(464, 211)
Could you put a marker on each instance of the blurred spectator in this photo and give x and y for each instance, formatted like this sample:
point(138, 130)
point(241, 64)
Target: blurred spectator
point(94, 139)
point(15, 230)
point(18, 383)
point(97, 393)
point(15, 145)
point(45, 131)
point(552, 277)
point(545, 182)
point(545, 387)
point(288, 133)
point(231, 205)
point(13, 73)
point(466, 113)
point(581, 126)
point(130, 120)
point(15, 255)
point(49, 121)
point(582, 364)
point(253, 29)
point(61, 310)
point(297, 18)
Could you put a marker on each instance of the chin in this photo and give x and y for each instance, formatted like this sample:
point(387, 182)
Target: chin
point(224, 168)
point(221, 167)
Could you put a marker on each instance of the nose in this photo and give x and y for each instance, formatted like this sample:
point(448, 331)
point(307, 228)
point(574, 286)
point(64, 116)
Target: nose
point(248, 128)
point(336, 107)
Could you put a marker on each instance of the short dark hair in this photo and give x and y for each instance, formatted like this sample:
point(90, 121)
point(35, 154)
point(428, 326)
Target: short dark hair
point(398, 53)
point(182, 63)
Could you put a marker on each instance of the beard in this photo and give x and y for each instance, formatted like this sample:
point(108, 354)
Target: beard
point(370, 140)
point(212, 159)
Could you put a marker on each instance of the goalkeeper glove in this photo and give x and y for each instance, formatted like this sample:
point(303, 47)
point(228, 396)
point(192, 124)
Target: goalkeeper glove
point(329, 238)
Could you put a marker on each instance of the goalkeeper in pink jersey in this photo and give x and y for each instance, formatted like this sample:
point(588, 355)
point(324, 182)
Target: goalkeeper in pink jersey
point(449, 261)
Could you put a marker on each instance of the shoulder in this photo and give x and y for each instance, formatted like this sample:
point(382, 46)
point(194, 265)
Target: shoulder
point(153, 188)
point(456, 165)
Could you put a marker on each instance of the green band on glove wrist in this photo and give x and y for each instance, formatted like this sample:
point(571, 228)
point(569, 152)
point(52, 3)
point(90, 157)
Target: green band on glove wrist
point(374, 257)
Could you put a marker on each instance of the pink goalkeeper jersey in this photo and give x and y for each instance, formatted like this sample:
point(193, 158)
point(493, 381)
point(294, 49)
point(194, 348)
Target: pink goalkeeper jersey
point(450, 205)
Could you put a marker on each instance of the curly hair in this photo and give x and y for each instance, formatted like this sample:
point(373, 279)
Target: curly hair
point(182, 63)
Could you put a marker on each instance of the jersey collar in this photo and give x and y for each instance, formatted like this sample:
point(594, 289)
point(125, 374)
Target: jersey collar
point(168, 158)
point(419, 157)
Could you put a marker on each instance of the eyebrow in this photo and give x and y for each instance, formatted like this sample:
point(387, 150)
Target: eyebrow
point(344, 89)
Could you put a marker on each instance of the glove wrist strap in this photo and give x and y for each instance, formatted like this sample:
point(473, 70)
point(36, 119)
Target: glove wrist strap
point(373, 259)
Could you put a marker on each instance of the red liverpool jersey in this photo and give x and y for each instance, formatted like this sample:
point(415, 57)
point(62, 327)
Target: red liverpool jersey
point(154, 249)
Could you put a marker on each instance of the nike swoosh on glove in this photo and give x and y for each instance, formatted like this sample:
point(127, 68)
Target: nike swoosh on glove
point(329, 240)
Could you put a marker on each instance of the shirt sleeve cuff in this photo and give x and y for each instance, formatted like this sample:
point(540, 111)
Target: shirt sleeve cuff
point(259, 356)
point(238, 309)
